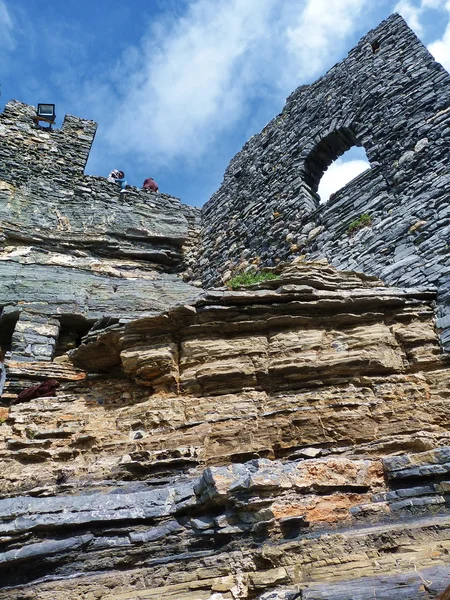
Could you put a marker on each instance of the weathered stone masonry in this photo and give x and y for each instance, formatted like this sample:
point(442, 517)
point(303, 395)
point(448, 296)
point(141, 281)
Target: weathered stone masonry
point(72, 249)
point(395, 102)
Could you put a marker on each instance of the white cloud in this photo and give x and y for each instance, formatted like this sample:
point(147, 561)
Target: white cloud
point(412, 14)
point(6, 28)
point(193, 79)
point(339, 174)
point(320, 26)
point(440, 49)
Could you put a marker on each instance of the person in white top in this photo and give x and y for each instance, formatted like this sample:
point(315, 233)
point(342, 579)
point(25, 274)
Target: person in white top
point(118, 177)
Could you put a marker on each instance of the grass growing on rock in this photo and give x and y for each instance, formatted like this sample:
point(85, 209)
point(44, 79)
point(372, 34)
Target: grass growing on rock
point(365, 220)
point(250, 279)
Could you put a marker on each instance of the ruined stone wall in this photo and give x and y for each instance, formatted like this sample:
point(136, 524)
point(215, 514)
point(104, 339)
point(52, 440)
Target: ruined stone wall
point(388, 96)
point(73, 250)
point(27, 149)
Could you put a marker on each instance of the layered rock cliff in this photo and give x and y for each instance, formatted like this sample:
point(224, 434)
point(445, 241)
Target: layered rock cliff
point(286, 441)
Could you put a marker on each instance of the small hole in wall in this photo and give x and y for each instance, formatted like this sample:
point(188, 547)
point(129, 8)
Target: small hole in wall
point(343, 170)
point(73, 328)
point(375, 46)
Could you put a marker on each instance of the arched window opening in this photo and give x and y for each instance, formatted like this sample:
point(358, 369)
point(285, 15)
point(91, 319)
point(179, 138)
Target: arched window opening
point(341, 172)
point(325, 153)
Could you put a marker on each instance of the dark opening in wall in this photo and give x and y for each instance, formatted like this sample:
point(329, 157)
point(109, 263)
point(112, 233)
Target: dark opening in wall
point(328, 150)
point(8, 320)
point(325, 152)
point(375, 45)
point(73, 329)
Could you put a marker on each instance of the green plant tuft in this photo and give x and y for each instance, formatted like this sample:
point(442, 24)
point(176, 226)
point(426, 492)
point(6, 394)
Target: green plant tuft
point(250, 279)
point(365, 220)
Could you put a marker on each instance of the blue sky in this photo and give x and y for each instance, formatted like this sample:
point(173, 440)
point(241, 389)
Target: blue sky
point(178, 86)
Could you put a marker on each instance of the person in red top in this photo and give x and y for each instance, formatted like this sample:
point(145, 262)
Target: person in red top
point(150, 184)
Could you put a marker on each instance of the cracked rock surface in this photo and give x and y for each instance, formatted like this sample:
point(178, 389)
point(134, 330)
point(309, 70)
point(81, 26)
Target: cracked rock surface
point(289, 440)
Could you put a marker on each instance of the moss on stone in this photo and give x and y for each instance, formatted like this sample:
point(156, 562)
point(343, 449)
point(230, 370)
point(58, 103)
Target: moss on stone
point(250, 279)
point(365, 220)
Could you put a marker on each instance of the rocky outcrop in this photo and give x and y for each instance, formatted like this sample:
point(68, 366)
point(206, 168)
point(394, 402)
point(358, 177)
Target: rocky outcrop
point(73, 250)
point(254, 443)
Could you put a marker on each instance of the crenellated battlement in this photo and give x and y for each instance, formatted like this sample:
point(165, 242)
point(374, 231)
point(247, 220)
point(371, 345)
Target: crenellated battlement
point(26, 149)
point(73, 249)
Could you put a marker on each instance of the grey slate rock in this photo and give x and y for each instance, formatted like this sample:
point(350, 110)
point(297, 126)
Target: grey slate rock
point(359, 102)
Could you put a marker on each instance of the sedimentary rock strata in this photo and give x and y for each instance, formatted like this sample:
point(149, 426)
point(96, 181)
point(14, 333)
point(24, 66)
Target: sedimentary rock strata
point(255, 443)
